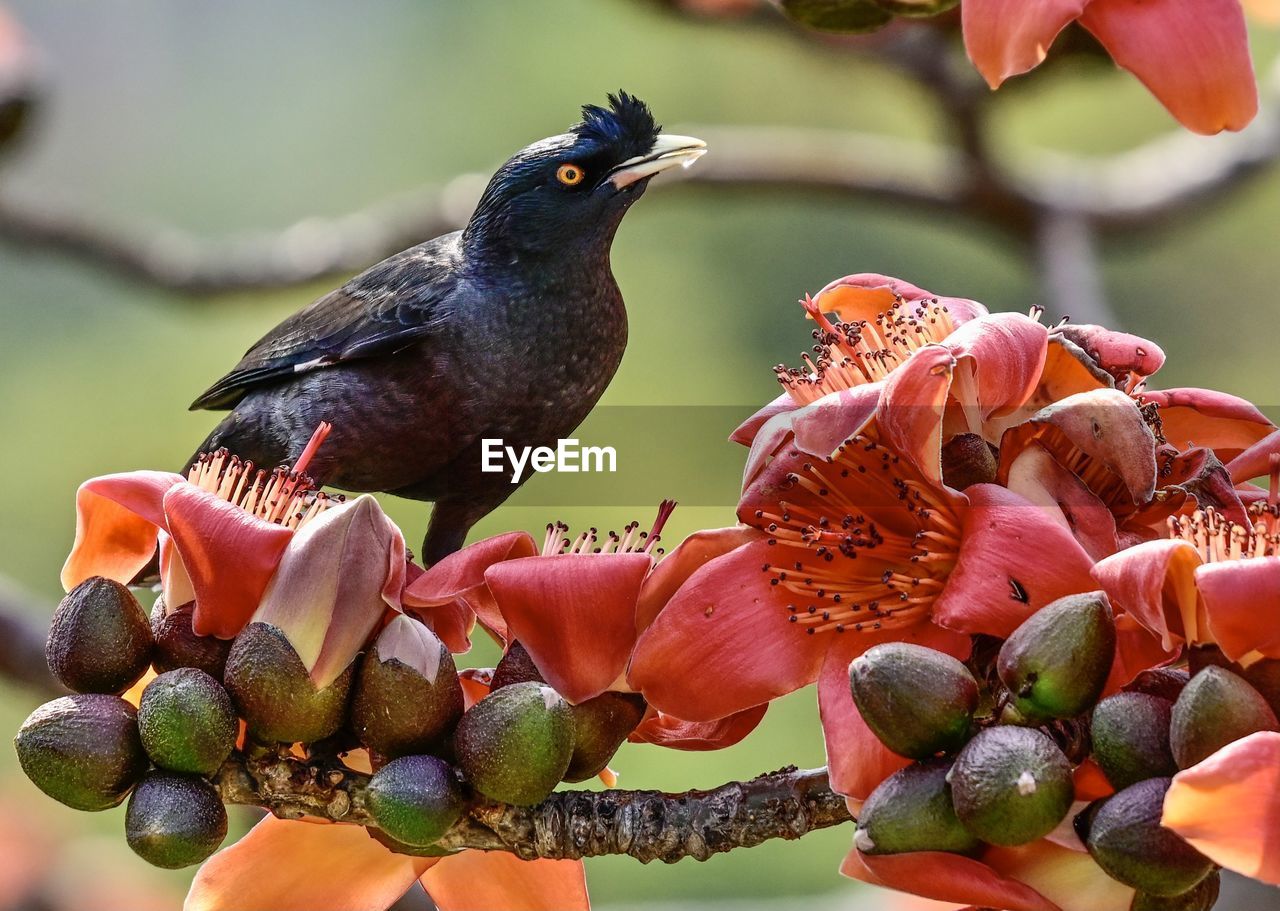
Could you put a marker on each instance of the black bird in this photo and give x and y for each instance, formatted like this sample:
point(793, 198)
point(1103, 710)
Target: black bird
point(509, 329)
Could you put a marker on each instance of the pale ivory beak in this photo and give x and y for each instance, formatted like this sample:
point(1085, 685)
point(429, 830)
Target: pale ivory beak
point(667, 151)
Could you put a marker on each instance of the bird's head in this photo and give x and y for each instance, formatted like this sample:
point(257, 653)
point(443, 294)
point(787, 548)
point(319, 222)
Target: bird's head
point(569, 192)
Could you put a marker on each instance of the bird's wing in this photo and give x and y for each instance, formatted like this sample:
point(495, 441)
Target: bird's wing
point(381, 311)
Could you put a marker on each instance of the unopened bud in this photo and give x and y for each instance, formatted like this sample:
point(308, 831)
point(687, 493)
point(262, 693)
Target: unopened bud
point(415, 799)
point(1162, 682)
point(967, 458)
point(100, 640)
point(1216, 708)
point(273, 692)
point(918, 701)
point(600, 726)
point(1201, 898)
point(515, 744)
point(83, 750)
point(174, 820)
point(1129, 844)
point(187, 722)
point(1011, 785)
point(407, 697)
point(1264, 676)
point(911, 810)
point(1130, 733)
point(1056, 663)
point(177, 645)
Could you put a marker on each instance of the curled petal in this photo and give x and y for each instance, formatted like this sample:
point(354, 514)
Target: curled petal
point(1137, 649)
point(911, 409)
point(1001, 575)
point(1194, 57)
point(747, 430)
point(723, 644)
point(1036, 475)
point(1242, 605)
point(476, 682)
point(1255, 461)
point(291, 865)
point(498, 881)
point(1000, 359)
point(462, 572)
point(818, 428)
point(574, 613)
point(676, 567)
point(1225, 423)
point(211, 535)
point(1122, 356)
point(945, 877)
point(117, 520)
point(697, 736)
point(1007, 37)
point(865, 295)
point(336, 579)
point(1155, 583)
point(1228, 806)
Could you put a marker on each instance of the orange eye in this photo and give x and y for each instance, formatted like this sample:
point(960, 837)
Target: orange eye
point(570, 175)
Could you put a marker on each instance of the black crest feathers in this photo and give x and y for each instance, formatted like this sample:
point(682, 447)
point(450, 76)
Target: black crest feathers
point(627, 125)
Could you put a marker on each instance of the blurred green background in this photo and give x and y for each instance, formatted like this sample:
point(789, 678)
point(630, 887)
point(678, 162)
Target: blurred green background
point(241, 115)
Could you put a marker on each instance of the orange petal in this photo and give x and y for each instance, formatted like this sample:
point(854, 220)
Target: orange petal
point(856, 759)
point(1008, 37)
point(818, 428)
point(1000, 359)
point(912, 406)
point(697, 736)
point(1122, 356)
point(1228, 806)
point(746, 432)
point(1193, 56)
point(945, 877)
point(227, 554)
point(1205, 417)
point(574, 613)
point(117, 520)
point(336, 579)
point(498, 881)
point(460, 573)
point(1068, 878)
point(290, 865)
point(476, 683)
point(1242, 605)
point(676, 567)
point(865, 295)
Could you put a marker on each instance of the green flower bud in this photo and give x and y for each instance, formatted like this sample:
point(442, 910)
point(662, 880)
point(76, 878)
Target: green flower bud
point(83, 750)
point(842, 16)
point(1129, 844)
point(600, 726)
point(1011, 785)
point(1163, 683)
point(174, 820)
point(1201, 898)
point(1056, 663)
point(407, 698)
point(100, 640)
point(177, 644)
point(399, 847)
point(415, 799)
point(1130, 733)
point(1216, 708)
point(187, 722)
point(1264, 676)
point(515, 744)
point(911, 810)
point(918, 701)
point(273, 692)
point(516, 666)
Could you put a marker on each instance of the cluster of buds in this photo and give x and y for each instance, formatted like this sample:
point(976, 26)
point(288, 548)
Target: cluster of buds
point(401, 700)
point(1005, 745)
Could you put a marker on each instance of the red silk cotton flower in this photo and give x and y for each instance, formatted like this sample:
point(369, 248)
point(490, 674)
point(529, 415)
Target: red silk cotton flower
point(1193, 55)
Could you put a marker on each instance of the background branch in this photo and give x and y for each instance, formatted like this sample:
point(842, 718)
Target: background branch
point(646, 825)
point(22, 638)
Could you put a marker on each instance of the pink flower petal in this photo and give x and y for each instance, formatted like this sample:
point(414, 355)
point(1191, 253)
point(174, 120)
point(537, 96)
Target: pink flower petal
point(818, 428)
point(337, 578)
point(747, 430)
point(1194, 57)
point(1228, 806)
point(1000, 359)
point(1225, 423)
point(1155, 583)
point(228, 555)
point(574, 613)
point(723, 644)
point(291, 865)
point(1124, 357)
point(676, 567)
point(1034, 473)
point(697, 736)
point(865, 295)
point(1255, 462)
point(945, 877)
point(117, 518)
point(498, 881)
point(1242, 605)
point(1008, 37)
point(912, 406)
point(460, 573)
point(1001, 576)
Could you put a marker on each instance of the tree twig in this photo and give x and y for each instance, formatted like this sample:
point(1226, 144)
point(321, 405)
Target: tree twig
point(646, 825)
point(22, 642)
